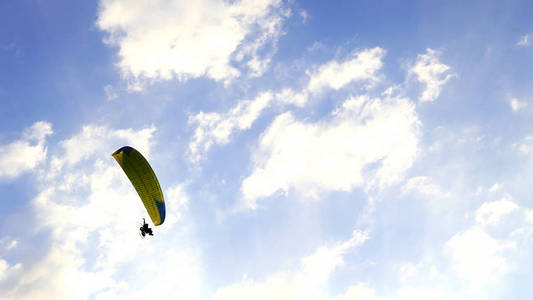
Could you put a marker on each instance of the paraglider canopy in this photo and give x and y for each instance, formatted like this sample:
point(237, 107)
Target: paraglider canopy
point(143, 178)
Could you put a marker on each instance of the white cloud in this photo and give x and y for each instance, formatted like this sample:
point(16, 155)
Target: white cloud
point(359, 291)
point(25, 153)
point(164, 39)
point(174, 274)
point(525, 41)
point(407, 271)
point(431, 72)
point(289, 96)
point(215, 128)
point(363, 291)
point(494, 188)
point(492, 212)
point(479, 190)
point(310, 281)
point(180, 203)
point(58, 276)
point(269, 31)
point(529, 216)
point(517, 105)
point(6, 269)
point(423, 186)
point(110, 92)
point(8, 244)
point(92, 231)
point(96, 140)
point(478, 257)
point(526, 146)
point(422, 293)
point(361, 66)
point(372, 138)
point(306, 282)
point(304, 16)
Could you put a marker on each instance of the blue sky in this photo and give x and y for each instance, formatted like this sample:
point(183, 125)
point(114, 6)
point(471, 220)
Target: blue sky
point(307, 150)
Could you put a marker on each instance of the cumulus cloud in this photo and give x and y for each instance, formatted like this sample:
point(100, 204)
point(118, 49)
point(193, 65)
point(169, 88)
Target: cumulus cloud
point(492, 212)
point(159, 40)
point(179, 274)
point(26, 153)
point(6, 269)
point(375, 139)
point(479, 256)
point(525, 41)
point(180, 203)
point(307, 282)
point(431, 72)
point(87, 213)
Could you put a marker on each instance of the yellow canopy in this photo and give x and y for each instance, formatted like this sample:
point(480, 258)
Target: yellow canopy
point(143, 178)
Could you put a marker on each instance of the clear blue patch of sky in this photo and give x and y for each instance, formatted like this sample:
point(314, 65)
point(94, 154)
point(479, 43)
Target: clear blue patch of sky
point(60, 65)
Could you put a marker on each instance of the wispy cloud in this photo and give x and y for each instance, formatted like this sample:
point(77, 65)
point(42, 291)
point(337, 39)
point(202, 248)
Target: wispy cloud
point(525, 146)
point(217, 128)
point(304, 16)
point(361, 66)
point(431, 72)
point(423, 186)
point(494, 188)
point(110, 93)
point(525, 41)
point(307, 282)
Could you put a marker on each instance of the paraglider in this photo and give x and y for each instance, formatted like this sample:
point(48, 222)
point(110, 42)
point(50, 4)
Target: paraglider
point(143, 178)
point(145, 229)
